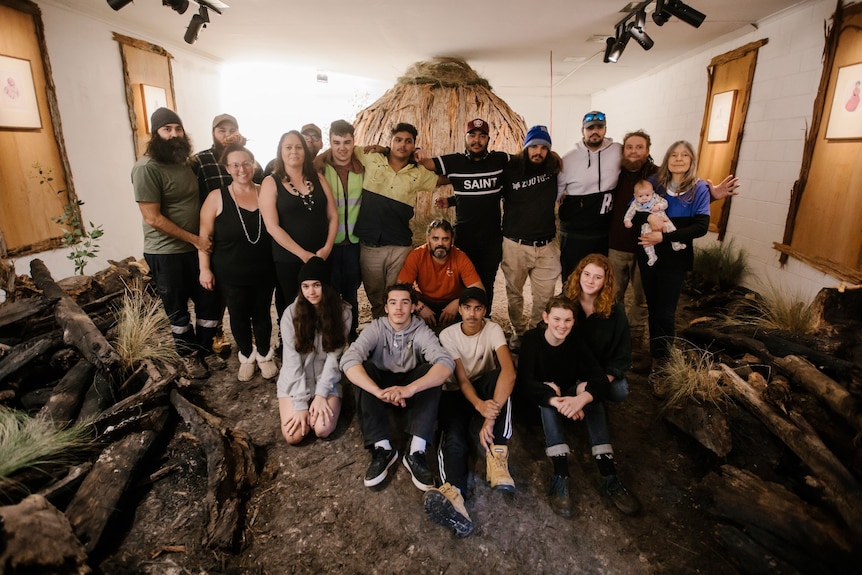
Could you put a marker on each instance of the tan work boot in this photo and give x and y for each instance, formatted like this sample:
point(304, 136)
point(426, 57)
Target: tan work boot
point(246, 365)
point(221, 344)
point(266, 363)
point(497, 469)
point(445, 506)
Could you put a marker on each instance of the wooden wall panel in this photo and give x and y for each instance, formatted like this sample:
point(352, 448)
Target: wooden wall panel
point(28, 207)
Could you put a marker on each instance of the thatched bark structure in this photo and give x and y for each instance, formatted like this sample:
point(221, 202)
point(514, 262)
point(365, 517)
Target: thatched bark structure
point(438, 97)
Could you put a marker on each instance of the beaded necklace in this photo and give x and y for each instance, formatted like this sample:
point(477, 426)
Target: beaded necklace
point(307, 199)
point(242, 221)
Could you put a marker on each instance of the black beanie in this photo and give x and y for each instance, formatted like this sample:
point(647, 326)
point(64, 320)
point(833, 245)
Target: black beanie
point(314, 269)
point(163, 117)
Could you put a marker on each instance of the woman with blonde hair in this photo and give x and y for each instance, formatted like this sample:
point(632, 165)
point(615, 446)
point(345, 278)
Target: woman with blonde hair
point(601, 322)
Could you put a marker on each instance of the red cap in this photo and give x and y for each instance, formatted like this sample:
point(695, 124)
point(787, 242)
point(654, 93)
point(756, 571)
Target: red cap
point(477, 124)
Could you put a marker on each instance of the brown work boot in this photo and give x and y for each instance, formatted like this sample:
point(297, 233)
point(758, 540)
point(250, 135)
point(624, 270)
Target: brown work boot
point(221, 344)
point(497, 469)
point(444, 505)
point(193, 366)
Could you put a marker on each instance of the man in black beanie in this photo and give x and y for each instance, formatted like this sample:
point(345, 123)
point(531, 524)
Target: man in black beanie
point(166, 190)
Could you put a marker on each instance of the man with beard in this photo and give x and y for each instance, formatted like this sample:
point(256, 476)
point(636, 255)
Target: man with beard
point(586, 185)
point(440, 271)
point(477, 181)
point(166, 190)
point(529, 229)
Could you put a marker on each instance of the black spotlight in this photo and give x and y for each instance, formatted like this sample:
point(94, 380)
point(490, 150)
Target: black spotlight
point(609, 49)
point(613, 52)
point(198, 21)
point(636, 31)
point(117, 4)
point(664, 9)
point(179, 6)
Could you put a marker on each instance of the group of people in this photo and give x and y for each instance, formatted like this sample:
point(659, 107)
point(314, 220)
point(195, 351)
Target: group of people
point(311, 228)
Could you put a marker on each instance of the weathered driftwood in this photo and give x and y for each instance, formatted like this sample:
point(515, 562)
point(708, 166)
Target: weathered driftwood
point(749, 556)
point(230, 471)
point(705, 423)
point(13, 311)
point(703, 335)
point(78, 329)
point(99, 495)
point(793, 525)
point(781, 347)
point(23, 353)
point(99, 397)
point(840, 486)
point(38, 539)
point(812, 379)
point(68, 394)
point(66, 487)
point(128, 413)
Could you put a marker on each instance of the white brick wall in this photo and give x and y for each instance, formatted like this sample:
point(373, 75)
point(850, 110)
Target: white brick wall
point(670, 106)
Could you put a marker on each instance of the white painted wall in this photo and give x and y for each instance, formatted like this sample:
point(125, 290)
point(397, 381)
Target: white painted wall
point(88, 77)
point(669, 105)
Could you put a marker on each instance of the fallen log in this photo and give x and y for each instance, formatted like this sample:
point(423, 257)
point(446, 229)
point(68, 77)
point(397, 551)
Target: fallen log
point(749, 556)
point(78, 329)
point(741, 343)
point(24, 353)
point(66, 487)
point(704, 423)
point(230, 472)
point(779, 520)
point(781, 347)
point(10, 312)
point(840, 486)
point(813, 380)
point(99, 397)
point(67, 396)
point(98, 498)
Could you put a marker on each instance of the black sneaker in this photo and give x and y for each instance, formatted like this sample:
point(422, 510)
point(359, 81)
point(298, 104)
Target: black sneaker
point(619, 495)
point(559, 497)
point(418, 467)
point(381, 461)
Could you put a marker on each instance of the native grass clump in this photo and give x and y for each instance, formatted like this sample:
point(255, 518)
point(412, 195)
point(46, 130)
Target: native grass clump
point(33, 444)
point(690, 374)
point(143, 330)
point(776, 308)
point(719, 266)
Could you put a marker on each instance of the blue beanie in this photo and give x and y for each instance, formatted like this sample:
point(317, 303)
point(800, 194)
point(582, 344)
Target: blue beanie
point(538, 136)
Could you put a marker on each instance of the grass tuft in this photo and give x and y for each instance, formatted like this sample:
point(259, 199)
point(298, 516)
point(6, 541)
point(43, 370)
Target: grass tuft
point(719, 266)
point(777, 308)
point(143, 330)
point(28, 443)
point(689, 374)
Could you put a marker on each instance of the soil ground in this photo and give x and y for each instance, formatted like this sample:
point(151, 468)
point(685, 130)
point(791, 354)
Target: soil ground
point(310, 513)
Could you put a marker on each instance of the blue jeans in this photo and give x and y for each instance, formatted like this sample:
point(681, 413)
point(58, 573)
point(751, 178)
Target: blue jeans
point(594, 417)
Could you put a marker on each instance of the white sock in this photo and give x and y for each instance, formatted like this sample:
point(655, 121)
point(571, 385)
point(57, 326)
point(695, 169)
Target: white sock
point(384, 443)
point(417, 444)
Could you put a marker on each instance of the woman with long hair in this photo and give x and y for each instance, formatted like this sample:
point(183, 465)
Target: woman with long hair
point(299, 212)
point(688, 208)
point(240, 266)
point(314, 329)
point(602, 324)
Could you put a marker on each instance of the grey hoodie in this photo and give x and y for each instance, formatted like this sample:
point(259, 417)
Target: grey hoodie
point(396, 352)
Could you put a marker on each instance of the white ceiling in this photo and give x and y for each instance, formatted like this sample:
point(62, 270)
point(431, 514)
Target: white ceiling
point(513, 44)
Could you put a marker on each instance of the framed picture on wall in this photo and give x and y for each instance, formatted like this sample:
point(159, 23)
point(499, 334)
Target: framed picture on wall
point(845, 116)
point(19, 108)
point(721, 116)
point(153, 98)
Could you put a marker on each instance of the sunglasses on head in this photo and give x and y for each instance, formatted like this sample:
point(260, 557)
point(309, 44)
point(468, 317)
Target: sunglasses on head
point(594, 117)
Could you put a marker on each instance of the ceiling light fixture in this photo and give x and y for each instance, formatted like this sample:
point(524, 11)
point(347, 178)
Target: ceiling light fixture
point(631, 26)
point(117, 4)
point(197, 22)
point(179, 6)
point(664, 9)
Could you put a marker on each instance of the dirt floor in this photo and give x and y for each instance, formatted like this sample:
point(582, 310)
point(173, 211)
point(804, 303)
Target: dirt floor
point(310, 512)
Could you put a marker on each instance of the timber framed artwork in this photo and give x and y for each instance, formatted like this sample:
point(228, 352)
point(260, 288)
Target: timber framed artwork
point(19, 108)
point(721, 116)
point(845, 115)
point(153, 98)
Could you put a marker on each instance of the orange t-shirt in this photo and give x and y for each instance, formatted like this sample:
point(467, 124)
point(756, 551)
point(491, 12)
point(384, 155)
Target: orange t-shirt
point(438, 283)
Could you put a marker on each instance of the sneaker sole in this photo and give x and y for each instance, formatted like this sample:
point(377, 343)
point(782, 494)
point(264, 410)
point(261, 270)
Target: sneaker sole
point(419, 485)
point(504, 487)
point(441, 511)
point(379, 479)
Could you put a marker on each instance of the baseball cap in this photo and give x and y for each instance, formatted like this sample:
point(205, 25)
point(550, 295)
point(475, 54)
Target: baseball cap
point(594, 118)
point(475, 293)
point(477, 124)
point(224, 118)
point(311, 128)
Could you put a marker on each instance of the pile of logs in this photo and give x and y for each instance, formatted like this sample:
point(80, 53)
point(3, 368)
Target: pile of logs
point(48, 332)
point(806, 391)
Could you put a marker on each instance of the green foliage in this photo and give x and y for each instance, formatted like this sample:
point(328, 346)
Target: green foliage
point(28, 443)
point(719, 266)
point(777, 308)
point(82, 240)
point(143, 330)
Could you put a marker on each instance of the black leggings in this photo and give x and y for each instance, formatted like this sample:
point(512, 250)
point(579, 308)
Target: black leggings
point(249, 308)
